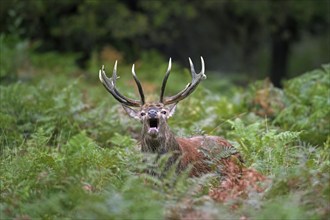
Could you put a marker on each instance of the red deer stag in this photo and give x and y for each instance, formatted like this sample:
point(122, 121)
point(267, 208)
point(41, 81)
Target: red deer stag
point(156, 134)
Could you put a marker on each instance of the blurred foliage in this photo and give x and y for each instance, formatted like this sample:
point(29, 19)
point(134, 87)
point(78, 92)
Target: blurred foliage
point(231, 34)
point(11, 49)
point(303, 105)
point(309, 105)
point(69, 151)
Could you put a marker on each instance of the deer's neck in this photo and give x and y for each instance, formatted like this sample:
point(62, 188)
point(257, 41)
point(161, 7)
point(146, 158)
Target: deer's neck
point(165, 142)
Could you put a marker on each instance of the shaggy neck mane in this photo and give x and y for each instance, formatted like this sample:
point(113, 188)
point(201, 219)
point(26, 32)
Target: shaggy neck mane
point(164, 143)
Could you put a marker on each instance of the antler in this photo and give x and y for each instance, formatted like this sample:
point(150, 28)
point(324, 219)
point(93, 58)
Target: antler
point(196, 79)
point(110, 85)
point(165, 80)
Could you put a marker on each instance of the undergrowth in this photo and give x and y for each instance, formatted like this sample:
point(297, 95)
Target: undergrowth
point(69, 151)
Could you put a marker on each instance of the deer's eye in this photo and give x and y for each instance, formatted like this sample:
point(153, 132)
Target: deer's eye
point(142, 113)
point(163, 112)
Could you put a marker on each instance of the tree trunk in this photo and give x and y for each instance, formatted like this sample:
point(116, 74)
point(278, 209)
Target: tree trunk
point(279, 59)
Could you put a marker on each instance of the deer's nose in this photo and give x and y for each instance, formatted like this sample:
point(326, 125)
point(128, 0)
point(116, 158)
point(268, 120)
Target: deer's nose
point(152, 113)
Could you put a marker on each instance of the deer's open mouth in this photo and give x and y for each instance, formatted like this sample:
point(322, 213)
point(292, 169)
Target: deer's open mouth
point(153, 126)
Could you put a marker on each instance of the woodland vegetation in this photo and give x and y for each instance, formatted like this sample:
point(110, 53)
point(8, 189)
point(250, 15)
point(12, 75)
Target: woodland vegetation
point(69, 151)
point(251, 39)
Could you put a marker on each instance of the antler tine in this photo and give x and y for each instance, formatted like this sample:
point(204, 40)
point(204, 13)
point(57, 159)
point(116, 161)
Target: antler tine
point(192, 68)
point(196, 79)
point(138, 85)
point(110, 85)
point(168, 71)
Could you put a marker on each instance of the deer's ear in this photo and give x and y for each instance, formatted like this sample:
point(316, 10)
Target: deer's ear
point(132, 112)
point(171, 110)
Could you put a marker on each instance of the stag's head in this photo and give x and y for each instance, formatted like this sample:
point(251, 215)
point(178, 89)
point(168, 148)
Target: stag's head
point(152, 115)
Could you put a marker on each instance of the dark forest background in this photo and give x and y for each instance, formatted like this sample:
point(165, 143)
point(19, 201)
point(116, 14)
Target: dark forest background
point(259, 38)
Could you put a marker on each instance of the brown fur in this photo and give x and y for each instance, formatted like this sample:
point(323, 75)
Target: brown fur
point(192, 152)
